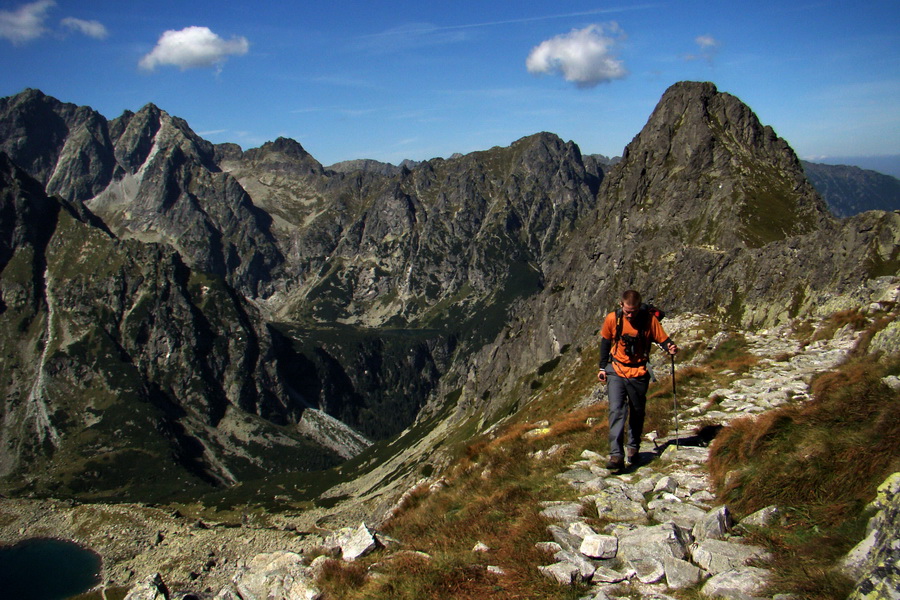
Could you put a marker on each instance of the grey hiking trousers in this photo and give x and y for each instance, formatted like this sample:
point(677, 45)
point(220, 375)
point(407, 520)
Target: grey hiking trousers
point(627, 401)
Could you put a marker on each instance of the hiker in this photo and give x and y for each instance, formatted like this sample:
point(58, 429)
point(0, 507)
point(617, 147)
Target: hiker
point(626, 337)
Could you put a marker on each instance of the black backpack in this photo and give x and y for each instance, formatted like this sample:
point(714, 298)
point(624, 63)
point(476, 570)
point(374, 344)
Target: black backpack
point(637, 347)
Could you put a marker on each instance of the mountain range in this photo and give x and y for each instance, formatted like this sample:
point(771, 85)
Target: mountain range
point(212, 315)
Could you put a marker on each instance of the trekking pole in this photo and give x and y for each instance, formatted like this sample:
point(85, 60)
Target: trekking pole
point(675, 403)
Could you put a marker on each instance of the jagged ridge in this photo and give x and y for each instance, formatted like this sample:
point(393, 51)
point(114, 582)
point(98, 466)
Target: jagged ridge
point(483, 267)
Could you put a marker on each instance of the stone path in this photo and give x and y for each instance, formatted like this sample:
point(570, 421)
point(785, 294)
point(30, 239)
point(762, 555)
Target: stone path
point(664, 530)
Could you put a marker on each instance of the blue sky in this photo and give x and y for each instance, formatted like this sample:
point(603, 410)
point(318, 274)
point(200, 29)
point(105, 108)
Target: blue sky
point(394, 80)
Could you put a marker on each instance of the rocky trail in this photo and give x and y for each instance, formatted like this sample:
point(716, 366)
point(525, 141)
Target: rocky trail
point(664, 531)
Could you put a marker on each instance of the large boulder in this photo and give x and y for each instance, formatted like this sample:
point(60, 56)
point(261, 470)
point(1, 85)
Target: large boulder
point(875, 562)
point(151, 588)
point(275, 576)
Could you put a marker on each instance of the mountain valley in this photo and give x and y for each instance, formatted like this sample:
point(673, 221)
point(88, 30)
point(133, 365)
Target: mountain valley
point(186, 322)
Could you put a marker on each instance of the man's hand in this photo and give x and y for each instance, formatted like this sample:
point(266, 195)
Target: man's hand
point(673, 349)
point(601, 376)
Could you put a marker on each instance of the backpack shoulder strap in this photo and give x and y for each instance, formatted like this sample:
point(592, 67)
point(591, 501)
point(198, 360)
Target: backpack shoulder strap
point(619, 316)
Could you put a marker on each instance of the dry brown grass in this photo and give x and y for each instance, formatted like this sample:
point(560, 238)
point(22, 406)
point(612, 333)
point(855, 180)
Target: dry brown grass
point(821, 462)
point(838, 320)
point(493, 497)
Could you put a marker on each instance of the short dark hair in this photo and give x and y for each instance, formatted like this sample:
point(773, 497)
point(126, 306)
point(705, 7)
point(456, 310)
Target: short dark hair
point(632, 298)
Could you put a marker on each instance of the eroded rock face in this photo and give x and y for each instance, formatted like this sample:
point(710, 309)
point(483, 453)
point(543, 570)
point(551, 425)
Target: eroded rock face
point(148, 176)
point(875, 562)
point(122, 361)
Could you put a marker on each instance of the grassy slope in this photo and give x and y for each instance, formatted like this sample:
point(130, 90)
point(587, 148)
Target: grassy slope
point(492, 492)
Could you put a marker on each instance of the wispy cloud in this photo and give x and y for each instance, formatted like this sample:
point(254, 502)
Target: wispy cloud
point(708, 48)
point(584, 57)
point(25, 23)
point(94, 29)
point(193, 47)
point(28, 22)
point(412, 35)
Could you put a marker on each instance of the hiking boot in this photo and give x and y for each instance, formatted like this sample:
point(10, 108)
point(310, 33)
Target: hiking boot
point(634, 458)
point(615, 463)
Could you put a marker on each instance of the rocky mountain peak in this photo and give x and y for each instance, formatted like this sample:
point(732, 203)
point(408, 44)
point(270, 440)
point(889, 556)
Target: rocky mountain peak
point(34, 132)
point(152, 127)
point(286, 146)
point(284, 154)
point(704, 157)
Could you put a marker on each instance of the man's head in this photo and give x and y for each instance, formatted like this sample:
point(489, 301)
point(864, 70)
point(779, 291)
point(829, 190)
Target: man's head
point(631, 302)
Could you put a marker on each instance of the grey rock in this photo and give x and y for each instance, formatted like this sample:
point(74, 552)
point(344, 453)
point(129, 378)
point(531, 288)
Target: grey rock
point(600, 546)
point(276, 576)
point(616, 504)
point(657, 541)
point(743, 583)
point(875, 561)
point(565, 511)
point(549, 547)
point(691, 454)
point(592, 486)
point(648, 570)
point(585, 567)
point(892, 381)
point(683, 514)
point(581, 529)
point(567, 541)
point(645, 485)
point(762, 518)
point(681, 573)
point(607, 575)
point(355, 543)
point(887, 341)
point(717, 556)
point(563, 572)
point(151, 588)
point(665, 484)
point(713, 525)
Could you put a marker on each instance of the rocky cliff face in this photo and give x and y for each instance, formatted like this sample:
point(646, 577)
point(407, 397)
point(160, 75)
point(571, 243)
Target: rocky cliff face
point(370, 250)
point(119, 361)
point(708, 210)
point(148, 176)
point(374, 293)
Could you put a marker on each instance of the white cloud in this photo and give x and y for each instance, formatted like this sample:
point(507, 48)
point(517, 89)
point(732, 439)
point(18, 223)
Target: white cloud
point(26, 23)
point(709, 47)
point(193, 47)
point(94, 29)
point(583, 56)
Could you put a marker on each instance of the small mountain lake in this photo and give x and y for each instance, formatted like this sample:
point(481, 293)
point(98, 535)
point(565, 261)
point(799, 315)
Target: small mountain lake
point(47, 569)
